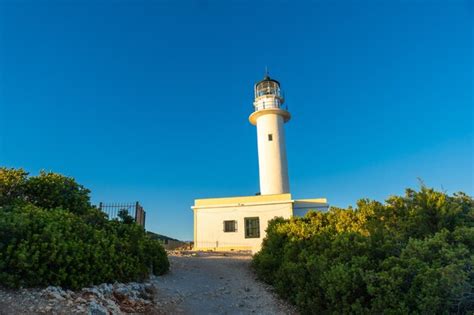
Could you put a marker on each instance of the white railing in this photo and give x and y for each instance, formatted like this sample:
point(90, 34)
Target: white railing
point(268, 105)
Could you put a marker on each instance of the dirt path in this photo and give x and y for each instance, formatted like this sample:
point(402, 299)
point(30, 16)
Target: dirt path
point(211, 283)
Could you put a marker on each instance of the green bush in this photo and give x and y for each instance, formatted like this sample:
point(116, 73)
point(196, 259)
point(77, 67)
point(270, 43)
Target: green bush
point(413, 254)
point(50, 190)
point(50, 234)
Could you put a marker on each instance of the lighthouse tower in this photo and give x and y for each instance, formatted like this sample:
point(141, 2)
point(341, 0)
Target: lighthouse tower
point(269, 116)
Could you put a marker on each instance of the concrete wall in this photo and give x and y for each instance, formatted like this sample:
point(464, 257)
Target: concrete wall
point(209, 226)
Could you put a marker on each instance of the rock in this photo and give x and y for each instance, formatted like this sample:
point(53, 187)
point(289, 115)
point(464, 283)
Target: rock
point(136, 286)
point(121, 288)
point(142, 301)
point(96, 300)
point(96, 309)
point(93, 291)
point(105, 288)
point(54, 293)
point(112, 307)
point(80, 309)
point(149, 288)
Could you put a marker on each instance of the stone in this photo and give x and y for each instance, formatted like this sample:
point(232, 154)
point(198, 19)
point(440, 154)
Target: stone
point(93, 291)
point(121, 288)
point(54, 293)
point(96, 309)
point(80, 309)
point(136, 286)
point(149, 288)
point(105, 288)
point(112, 307)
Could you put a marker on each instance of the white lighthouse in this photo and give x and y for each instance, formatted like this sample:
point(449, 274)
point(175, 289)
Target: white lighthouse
point(239, 223)
point(269, 116)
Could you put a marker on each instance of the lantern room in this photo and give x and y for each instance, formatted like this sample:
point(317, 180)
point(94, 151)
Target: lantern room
point(268, 94)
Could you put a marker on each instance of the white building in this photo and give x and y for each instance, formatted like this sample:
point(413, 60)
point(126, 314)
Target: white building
point(239, 223)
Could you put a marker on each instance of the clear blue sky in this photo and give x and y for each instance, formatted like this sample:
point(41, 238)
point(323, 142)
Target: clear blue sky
point(149, 100)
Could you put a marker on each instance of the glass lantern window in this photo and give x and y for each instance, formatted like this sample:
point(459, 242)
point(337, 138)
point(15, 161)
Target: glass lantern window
point(268, 88)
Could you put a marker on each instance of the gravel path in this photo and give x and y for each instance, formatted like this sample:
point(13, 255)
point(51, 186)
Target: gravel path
point(198, 283)
point(212, 283)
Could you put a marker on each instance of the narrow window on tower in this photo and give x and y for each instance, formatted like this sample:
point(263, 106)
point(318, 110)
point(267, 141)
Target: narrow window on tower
point(270, 137)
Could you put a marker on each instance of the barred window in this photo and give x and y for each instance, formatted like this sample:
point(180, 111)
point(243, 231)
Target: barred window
point(252, 227)
point(230, 226)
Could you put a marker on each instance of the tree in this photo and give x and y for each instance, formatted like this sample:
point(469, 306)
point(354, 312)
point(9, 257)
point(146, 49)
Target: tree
point(12, 185)
point(125, 217)
point(51, 190)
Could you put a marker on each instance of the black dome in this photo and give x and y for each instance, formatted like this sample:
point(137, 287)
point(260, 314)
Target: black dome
point(267, 79)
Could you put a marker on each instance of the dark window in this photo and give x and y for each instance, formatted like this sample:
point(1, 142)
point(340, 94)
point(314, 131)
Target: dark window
point(252, 227)
point(270, 137)
point(230, 226)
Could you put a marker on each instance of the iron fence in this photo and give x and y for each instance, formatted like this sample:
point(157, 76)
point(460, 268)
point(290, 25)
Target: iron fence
point(133, 209)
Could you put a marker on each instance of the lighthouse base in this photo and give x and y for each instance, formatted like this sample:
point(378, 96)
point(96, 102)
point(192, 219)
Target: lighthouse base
point(239, 223)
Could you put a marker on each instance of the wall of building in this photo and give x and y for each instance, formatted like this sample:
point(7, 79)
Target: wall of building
point(209, 224)
point(301, 207)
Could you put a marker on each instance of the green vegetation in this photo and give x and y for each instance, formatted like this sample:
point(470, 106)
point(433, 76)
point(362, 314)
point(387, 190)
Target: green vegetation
point(161, 238)
point(413, 254)
point(50, 234)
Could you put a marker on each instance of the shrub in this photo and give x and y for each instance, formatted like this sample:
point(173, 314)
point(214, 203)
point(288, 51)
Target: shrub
point(413, 254)
point(50, 234)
